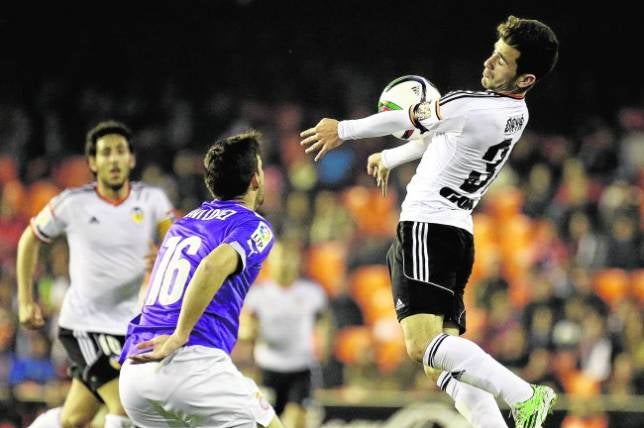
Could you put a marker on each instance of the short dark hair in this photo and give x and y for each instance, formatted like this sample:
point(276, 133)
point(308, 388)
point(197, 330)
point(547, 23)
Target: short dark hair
point(105, 128)
point(536, 42)
point(230, 164)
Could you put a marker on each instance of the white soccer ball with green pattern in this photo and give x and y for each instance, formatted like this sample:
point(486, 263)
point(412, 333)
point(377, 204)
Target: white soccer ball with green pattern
point(404, 92)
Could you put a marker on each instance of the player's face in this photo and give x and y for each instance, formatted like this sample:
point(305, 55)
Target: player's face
point(500, 69)
point(259, 200)
point(284, 263)
point(113, 161)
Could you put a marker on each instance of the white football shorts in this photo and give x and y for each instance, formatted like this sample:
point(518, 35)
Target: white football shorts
point(196, 386)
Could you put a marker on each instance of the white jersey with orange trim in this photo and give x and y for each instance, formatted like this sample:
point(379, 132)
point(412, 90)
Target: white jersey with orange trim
point(286, 318)
point(107, 247)
point(472, 135)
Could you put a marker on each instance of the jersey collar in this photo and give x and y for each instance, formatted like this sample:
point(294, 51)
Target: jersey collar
point(510, 95)
point(114, 202)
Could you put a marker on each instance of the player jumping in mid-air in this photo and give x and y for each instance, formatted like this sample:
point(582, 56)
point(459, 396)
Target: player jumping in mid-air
point(177, 369)
point(467, 138)
point(109, 226)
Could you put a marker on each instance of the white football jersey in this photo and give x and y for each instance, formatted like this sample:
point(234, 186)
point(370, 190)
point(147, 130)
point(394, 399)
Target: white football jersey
point(472, 135)
point(286, 318)
point(107, 247)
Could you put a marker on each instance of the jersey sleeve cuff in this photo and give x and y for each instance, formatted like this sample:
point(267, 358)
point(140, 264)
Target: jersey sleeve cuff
point(240, 250)
point(38, 233)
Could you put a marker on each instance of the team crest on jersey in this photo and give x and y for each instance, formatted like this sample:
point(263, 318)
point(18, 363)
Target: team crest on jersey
point(261, 237)
point(137, 215)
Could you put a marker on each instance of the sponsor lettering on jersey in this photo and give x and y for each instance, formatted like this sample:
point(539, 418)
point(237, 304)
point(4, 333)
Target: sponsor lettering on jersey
point(514, 124)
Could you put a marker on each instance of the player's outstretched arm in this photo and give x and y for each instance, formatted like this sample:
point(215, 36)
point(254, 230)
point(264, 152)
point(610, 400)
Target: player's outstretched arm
point(329, 133)
point(29, 311)
point(322, 138)
point(208, 278)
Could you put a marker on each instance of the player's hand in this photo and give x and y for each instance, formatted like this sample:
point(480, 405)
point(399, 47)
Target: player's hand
point(321, 139)
point(30, 315)
point(151, 256)
point(162, 346)
point(377, 169)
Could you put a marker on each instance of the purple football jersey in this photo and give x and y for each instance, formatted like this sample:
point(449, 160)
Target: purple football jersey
point(187, 242)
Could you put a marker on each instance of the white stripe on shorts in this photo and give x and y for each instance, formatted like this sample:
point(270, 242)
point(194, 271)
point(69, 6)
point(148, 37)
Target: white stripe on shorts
point(420, 257)
point(86, 345)
point(425, 255)
point(413, 250)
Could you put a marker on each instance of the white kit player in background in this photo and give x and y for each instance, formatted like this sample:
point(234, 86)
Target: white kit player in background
point(467, 138)
point(285, 312)
point(109, 226)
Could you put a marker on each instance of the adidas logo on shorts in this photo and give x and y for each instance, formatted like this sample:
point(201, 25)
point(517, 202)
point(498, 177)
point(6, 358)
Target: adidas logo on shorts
point(399, 304)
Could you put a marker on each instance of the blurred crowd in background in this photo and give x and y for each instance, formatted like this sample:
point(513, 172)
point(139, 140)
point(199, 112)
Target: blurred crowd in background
point(557, 291)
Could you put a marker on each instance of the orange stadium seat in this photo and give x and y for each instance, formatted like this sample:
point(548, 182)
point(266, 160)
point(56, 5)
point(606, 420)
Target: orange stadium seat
point(485, 245)
point(389, 345)
point(8, 169)
point(364, 279)
point(519, 292)
point(373, 213)
point(579, 384)
point(611, 284)
point(485, 228)
point(506, 203)
point(476, 322)
point(637, 285)
point(353, 345)
point(39, 194)
point(73, 172)
point(14, 195)
point(517, 235)
point(389, 355)
point(327, 265)
point(486, 256)
point(379, 306)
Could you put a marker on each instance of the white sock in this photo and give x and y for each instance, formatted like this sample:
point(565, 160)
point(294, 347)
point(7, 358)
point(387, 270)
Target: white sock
point(115, 421)
point(49, 419)
point(467, 362)
point(478, 407)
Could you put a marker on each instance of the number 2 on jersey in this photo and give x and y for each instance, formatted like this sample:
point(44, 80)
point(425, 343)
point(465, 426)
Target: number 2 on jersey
point(173, 270)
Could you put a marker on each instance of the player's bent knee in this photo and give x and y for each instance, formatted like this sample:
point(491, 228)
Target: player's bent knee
point(417, 345)
point(416, 348)
point(432, 373)
point(419, 331)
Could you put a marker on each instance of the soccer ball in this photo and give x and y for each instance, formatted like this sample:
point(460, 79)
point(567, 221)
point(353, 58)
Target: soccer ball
point(404, 92)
